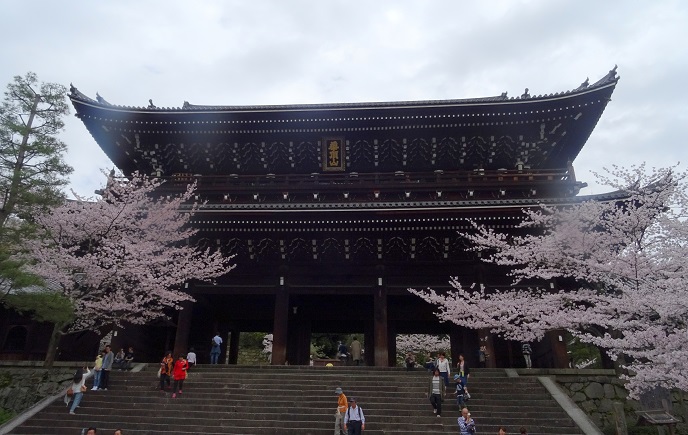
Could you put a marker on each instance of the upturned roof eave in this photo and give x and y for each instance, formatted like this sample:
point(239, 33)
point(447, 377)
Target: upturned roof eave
point(610, 80)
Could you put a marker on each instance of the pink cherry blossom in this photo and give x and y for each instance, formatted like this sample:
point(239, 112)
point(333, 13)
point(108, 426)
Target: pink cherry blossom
point(421, 344)
point(612, 272)
point(125, 256)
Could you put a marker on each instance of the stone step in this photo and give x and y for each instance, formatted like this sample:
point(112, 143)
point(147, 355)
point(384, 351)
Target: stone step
point(291, 400)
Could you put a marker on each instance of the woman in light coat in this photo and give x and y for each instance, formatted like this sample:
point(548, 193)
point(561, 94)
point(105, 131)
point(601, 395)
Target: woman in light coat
point(78, 387)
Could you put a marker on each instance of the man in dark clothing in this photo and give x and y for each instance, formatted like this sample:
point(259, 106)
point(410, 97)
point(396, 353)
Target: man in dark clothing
point(128, 359)
point(342, 352)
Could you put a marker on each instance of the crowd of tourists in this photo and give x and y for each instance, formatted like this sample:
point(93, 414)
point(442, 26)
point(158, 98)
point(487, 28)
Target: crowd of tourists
point(349, 416)
point(350, 419)
point(103, 364)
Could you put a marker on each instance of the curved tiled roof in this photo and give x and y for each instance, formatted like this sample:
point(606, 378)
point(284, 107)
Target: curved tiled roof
point(539, 132)
point(610, 78)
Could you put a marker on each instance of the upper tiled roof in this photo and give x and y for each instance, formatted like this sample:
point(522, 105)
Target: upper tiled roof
point(610, 79)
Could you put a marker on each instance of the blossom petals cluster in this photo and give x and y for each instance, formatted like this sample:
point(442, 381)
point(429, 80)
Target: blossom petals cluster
point(613, 272)
point(126, 255)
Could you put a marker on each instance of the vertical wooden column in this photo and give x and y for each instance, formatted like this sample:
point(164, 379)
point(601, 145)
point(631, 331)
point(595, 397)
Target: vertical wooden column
point(280, 327)
point(380, 319)
point(181, 339)
point(455, 342)
point(560, 358)
point(296, 351)
point(471, 345)
point(392, 344)
point(233, 356)
point(304, 345)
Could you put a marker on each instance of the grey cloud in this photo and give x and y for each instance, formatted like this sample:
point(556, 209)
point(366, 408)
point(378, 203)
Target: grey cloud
point(276, 52)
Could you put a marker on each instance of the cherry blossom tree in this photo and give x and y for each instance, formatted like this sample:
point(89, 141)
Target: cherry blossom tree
point(124, 257)
point(611, 272)
point(421, 344)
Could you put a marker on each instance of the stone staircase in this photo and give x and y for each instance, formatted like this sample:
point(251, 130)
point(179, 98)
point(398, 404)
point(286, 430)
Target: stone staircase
point(284, 400)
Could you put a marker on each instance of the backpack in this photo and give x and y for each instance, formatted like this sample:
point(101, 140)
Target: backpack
point(358, 410)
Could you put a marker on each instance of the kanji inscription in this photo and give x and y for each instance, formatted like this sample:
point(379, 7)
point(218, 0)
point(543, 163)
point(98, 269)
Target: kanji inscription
point(333, 154)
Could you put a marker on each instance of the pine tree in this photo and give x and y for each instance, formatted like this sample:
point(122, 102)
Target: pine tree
point(32, 168)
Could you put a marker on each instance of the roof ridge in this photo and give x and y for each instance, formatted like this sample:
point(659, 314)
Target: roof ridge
point(610, 78)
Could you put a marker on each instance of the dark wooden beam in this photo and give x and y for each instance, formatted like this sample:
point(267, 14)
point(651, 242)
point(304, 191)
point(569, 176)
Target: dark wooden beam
point(280, 329)
point(181, 340)
point(380, 318)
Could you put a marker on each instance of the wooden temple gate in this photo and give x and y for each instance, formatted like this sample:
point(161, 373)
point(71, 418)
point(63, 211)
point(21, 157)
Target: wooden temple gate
point(333, 210)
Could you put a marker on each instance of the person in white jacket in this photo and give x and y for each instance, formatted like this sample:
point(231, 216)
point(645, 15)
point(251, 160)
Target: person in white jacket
point(444, 367)
point(78, 387)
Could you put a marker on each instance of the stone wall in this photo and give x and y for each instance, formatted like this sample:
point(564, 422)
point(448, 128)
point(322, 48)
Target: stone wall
point(596, 390)
point(24, 384)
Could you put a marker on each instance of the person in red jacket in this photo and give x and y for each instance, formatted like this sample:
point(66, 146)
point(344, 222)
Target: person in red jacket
point(179, 374)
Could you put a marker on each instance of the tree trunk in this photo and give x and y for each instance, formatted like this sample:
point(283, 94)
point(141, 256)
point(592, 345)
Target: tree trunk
point(52, 346)
point(12, 198)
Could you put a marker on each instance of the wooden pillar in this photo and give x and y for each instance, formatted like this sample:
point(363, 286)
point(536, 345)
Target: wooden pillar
point(280, 327)
point(471, 345)
point(299, 328)
point(560, 358)
point(392, 345)
point(233, 351)
point(302, 339)
point(305, 342)
point(455, 342)
point(181, 339)
point(380, 319)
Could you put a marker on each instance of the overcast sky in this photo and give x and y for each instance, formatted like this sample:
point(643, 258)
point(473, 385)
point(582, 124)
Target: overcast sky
point(324, 51)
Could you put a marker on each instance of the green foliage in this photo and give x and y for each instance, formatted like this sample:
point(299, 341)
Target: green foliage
point(32, 168)
point(327, 343)
point(581, 352)
point(43, 306)
point(251, 340)
point(317, 351)
point(5, 415)
point(12, 275)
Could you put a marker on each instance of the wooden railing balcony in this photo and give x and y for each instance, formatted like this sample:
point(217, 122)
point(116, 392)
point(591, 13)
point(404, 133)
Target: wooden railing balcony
point(437, 180)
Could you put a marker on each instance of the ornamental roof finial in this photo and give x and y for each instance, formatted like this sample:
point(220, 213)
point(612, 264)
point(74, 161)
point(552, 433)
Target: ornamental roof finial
point(151, 105)
point(525, 94)
point(612, 73)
